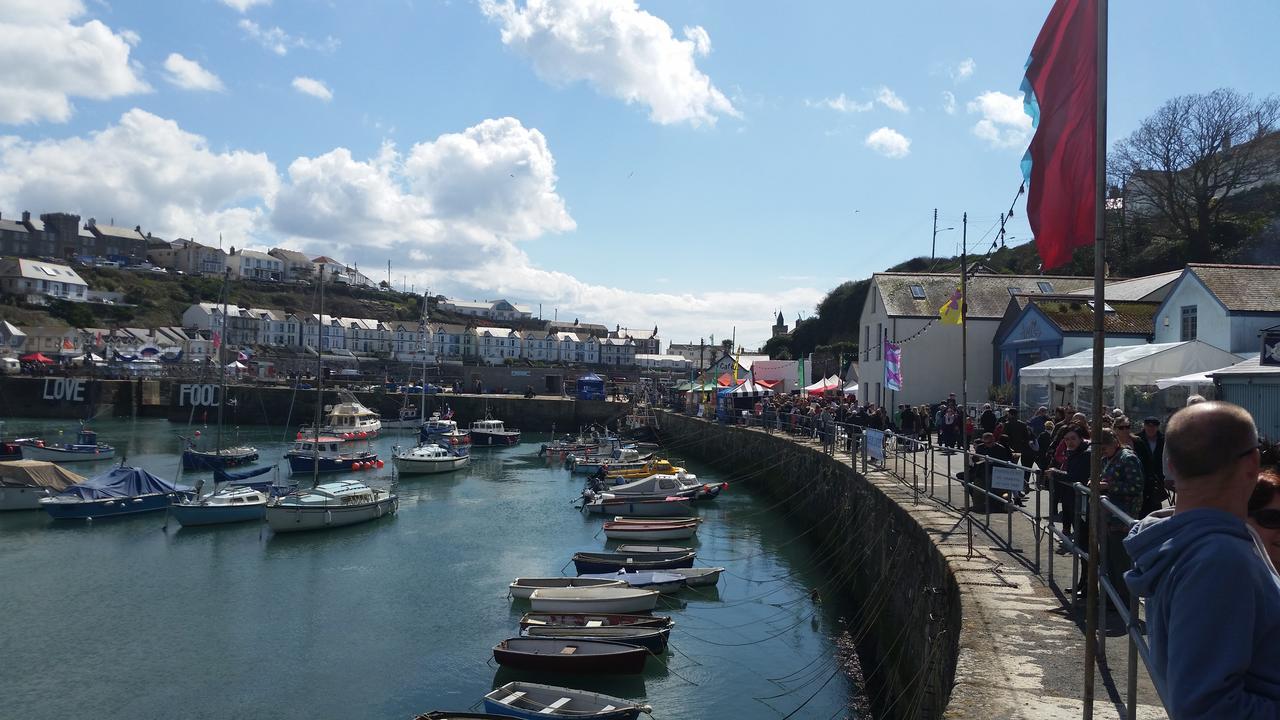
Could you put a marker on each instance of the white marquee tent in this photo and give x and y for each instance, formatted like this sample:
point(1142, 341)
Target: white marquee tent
point(1070, 379)
point(750, 390)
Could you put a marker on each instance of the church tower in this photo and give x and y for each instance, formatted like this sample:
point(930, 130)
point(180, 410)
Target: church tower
point(780, 327)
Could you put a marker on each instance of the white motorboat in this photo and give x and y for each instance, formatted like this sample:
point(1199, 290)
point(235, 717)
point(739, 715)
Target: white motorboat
point(493, 432)
point(227, 505)
point(333, 504)
point(593, 600)
point(350, 419)
point(443, 431)
point(428, 459)
point(654, 507)
point(86, 448)
point(24, 482)
point(522, 588)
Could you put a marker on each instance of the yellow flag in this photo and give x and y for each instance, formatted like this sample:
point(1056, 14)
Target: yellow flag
point(950, 313)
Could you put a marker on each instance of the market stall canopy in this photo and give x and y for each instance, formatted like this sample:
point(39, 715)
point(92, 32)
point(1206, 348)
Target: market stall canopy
point(771, 384)
point(236, 365)
point(830, 384)
point(750, 390)
point(36, 358)
point(1131, 364)
point(851, 388)
point(697, 387)
point(37, 473)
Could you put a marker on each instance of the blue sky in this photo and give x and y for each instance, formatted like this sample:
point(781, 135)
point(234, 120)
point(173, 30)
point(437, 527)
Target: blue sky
point(694, 164)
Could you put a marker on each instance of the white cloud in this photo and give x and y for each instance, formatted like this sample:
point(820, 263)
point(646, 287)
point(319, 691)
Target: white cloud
point(962, 70)
point(312, 87)
point(47, 59)
point(244, 5)
point(840, 103)
point(1004, 124)
point(948, 102)
point(130, 37)
point(890, 99)
point(280, 42)
point(146, 171)
point(619, 49)
point(189, 75)
point(889, 143)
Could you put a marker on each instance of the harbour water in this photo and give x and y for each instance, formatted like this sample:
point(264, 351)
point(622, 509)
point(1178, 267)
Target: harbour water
point(126, 619)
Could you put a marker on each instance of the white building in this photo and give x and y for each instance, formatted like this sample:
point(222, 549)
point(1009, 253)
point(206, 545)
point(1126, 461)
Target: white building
point(1226, 306)
point(664, 362)
point(489, 309)
point(900, 306)
point(366, 335)
point(37, 281)
point(542, 346)
point(452, 342)
point(495, 345)
point(580, 349)
point(188, 257)
point(297, 266)
point(618, 351)
point(254, 265)
point(409, 341)
point(325, 333)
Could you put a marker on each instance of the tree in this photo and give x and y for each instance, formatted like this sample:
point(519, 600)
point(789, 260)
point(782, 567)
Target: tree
point(1183, 164)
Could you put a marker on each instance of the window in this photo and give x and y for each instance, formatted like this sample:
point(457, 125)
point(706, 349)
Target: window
point(1014, 290)
point(917, 292)
point(1045, 287)
point(879, 341)
point(1189, 322)
point(866, 343)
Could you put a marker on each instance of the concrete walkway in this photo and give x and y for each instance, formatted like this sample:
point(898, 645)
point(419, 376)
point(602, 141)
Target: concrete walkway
point(1022, 645)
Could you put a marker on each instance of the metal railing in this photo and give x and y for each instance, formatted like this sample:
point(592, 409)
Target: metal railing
point(918, 463)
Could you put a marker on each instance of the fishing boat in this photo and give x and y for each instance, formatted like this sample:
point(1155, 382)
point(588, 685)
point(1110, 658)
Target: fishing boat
point(522, 588)
point(225, 505)
point(619, 459)
point(493, 432)
point(122, 490)
point(531, 701)
point(662, 581)
point(86, 448)
point(593, 599)
point(637, 507)
point(332, 504)
point(429, 459)
point(618, 476)
point(9, 450)
point(542, 619)
point(23, 483)
point(442, 430)
point(349, 419)
point(570, 656)
point(656, 530)
point(698, 577)
point(650, 638)
point(328, 455)
point(603, 562)
point(329, 505)
point(680, 484)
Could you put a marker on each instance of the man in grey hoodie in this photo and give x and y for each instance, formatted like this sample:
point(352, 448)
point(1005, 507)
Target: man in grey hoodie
point(1213, 599)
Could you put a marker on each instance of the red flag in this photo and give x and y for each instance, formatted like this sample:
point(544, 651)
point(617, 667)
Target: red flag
point(1061, 93)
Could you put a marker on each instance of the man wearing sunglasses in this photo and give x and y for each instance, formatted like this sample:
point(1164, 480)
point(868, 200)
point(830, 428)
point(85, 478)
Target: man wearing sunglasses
point(1213, 602)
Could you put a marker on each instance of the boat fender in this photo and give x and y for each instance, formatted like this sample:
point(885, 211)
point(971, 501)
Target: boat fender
point(355, 466)
point(328, 517)
point(379, 464)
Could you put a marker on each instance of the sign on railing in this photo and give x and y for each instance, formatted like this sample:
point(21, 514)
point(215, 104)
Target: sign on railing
point(1003, 478)
point(875, 444)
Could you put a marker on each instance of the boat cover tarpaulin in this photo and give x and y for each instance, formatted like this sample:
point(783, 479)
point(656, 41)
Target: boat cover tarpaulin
point(37, 473)
point(122, 482)
point(223, 476)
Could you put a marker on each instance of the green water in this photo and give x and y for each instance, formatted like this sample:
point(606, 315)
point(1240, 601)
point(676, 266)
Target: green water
point(125, 619)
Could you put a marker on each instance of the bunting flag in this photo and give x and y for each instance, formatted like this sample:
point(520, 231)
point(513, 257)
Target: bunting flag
point(892, 366)
point(217, 340)
point(950, 313)
point(1060, 93)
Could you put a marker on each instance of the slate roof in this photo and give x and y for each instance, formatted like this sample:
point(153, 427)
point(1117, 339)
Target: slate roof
point(114, 231)
point(1073, 314)
point(988, 294)
point(1139, 288)
point(12, 225)
point(1242, 288)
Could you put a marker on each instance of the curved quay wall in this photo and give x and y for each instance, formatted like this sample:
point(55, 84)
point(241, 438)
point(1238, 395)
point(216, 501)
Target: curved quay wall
point(895, 562)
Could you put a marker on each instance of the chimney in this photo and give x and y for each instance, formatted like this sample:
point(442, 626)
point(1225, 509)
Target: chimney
point(93, 222)
point(138, 229)
point(26, 216)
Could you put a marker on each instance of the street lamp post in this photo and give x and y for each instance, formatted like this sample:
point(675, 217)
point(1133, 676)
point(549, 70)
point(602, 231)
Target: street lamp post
point(933, 253)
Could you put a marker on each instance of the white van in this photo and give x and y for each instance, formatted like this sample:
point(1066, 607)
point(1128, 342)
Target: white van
point(10, 366)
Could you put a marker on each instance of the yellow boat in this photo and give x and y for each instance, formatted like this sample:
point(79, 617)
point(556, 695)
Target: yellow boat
point(660, 466)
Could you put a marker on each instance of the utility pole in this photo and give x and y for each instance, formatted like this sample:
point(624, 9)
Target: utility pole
point(933, 253)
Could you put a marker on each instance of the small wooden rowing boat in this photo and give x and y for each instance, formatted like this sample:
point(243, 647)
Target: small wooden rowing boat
point(594, 620)
point(650, 531)
point(522, 588)
point(570, 656)
point(651, 549)
point(652, 639)
point(698, 577)
point(532, 701)
point(593, 599)
point(587, 562)
point(646, 520)
point(663, 581)
point(653, 507)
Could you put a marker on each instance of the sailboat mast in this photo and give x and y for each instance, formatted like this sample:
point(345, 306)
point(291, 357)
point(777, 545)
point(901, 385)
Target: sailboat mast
point(222, 388)
point(315, 444)
point(422, 412)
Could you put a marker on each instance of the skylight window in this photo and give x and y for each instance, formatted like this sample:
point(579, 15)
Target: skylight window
point(1014, 290)
point(1045, 287)
point(917, 292)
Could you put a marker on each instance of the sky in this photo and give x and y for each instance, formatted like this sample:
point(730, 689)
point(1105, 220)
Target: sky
point(696, 165)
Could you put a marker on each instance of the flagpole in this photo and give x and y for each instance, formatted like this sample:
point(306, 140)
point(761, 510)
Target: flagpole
point(1092, 598)
point(964, 350)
